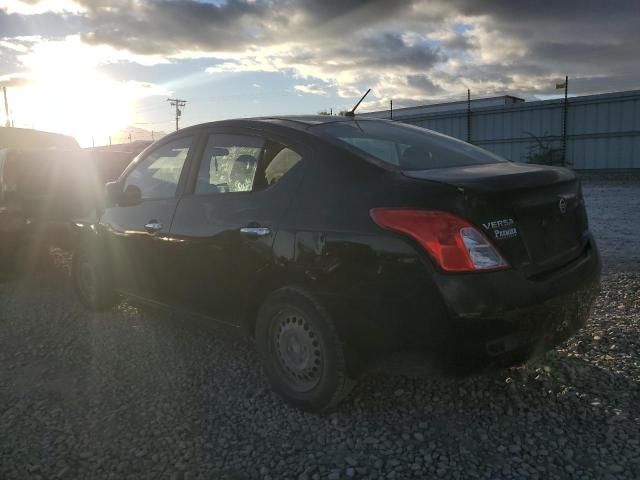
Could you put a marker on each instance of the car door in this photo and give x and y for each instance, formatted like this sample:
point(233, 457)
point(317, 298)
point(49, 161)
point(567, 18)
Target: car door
point(136, 235)
point(225, 224)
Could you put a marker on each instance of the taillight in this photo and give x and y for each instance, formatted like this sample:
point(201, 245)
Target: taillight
point(452, 242)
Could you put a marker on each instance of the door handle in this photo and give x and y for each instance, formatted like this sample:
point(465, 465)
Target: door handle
point(255, 231)
point(153, 226)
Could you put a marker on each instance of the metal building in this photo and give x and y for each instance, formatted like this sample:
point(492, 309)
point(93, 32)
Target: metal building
point(409, 112)
point(603, 131)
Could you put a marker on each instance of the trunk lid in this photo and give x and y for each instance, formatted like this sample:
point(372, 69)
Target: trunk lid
point(533, 214)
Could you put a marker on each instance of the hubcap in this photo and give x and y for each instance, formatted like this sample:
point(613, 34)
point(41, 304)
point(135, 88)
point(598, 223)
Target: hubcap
point(298, 350)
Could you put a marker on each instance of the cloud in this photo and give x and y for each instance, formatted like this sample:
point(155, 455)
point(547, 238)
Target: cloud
point(311, 88)
point(47, 24)
point(423, 84)
point(164, 27)
point(32, 7)
point(413, 50)
point(13, 81)
point(70, 51)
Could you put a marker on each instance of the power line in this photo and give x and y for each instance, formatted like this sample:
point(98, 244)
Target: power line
point(164, 122)
point(234, 96)
point(176, 102)
point(149, 108)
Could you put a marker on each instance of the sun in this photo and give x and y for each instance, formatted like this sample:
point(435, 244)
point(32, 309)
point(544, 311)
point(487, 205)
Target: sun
point(68, 93)
point(78, 103)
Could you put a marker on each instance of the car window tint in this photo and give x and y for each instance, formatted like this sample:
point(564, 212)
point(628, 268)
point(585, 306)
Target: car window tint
point(278, 160)
point(228, 164)
point(381, 149)
point(157, 174)
point(405, 146)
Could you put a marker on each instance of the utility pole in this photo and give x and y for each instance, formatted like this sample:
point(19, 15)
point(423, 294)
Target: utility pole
point(176, 102)
point(391, 109)
point(468, 115)
point(152, 139)
point(129, 137)
point(6, 107)
point(565, 107)
point(564, 121)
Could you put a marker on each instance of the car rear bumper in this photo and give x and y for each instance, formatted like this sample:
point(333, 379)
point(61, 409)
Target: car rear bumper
point(472, 346)
point(497, 319)
point(513, 337)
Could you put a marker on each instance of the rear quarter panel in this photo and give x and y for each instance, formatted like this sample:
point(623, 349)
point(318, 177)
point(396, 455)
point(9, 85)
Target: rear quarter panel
point(376, 285)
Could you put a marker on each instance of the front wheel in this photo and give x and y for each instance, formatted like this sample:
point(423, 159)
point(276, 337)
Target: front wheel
point(92, 280)
point(301, 351)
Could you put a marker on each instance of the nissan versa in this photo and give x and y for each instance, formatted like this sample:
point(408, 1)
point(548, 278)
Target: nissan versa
point(340, 244)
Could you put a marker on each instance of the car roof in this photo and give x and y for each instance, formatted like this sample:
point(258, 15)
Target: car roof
point(298, 122)
point(307, 120)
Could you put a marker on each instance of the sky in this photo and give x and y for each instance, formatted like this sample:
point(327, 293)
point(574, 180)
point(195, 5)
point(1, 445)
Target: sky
point(91, 69)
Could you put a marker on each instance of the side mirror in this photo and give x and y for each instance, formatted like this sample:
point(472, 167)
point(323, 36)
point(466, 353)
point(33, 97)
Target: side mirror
point(132, 195)
point(112, 193)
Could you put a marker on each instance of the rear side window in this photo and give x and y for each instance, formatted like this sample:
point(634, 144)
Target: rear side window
point(277, 162)
point(243, 163)
point(229, 164)
point(405, 146)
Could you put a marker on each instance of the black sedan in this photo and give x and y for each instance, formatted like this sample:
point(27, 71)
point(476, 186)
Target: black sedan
point(341, 244)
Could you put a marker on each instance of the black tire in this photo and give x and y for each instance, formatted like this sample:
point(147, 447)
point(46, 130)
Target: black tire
point(301, 351)
point(92, 279)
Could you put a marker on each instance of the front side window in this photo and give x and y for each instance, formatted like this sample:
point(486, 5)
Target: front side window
point(405, 146)
point(229, 164)
point(157, 175)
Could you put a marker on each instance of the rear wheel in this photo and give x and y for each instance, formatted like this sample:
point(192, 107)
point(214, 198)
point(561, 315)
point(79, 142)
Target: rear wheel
point(92, 281)
point(302, 353)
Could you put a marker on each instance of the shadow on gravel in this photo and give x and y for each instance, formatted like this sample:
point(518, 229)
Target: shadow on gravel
point(551, 377)
point(137, 393)
point(17, 267)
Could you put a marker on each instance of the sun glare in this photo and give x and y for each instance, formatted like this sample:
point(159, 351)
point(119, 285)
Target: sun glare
point(68, 94)
point(80, 104)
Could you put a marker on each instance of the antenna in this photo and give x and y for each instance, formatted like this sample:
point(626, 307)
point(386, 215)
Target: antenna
point(352, 112)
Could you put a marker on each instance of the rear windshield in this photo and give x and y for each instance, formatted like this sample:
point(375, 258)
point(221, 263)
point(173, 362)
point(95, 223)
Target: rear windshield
point(406, 146)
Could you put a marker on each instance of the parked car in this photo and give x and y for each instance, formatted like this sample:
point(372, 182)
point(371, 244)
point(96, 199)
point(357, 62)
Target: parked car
point(45, 181)
point(19, 152)
point(111, 160)
point(27, 138)
point(341, 244)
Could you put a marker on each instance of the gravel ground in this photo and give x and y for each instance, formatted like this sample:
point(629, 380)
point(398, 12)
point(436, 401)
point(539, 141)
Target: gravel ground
point(614, 218)
point(138, 394)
